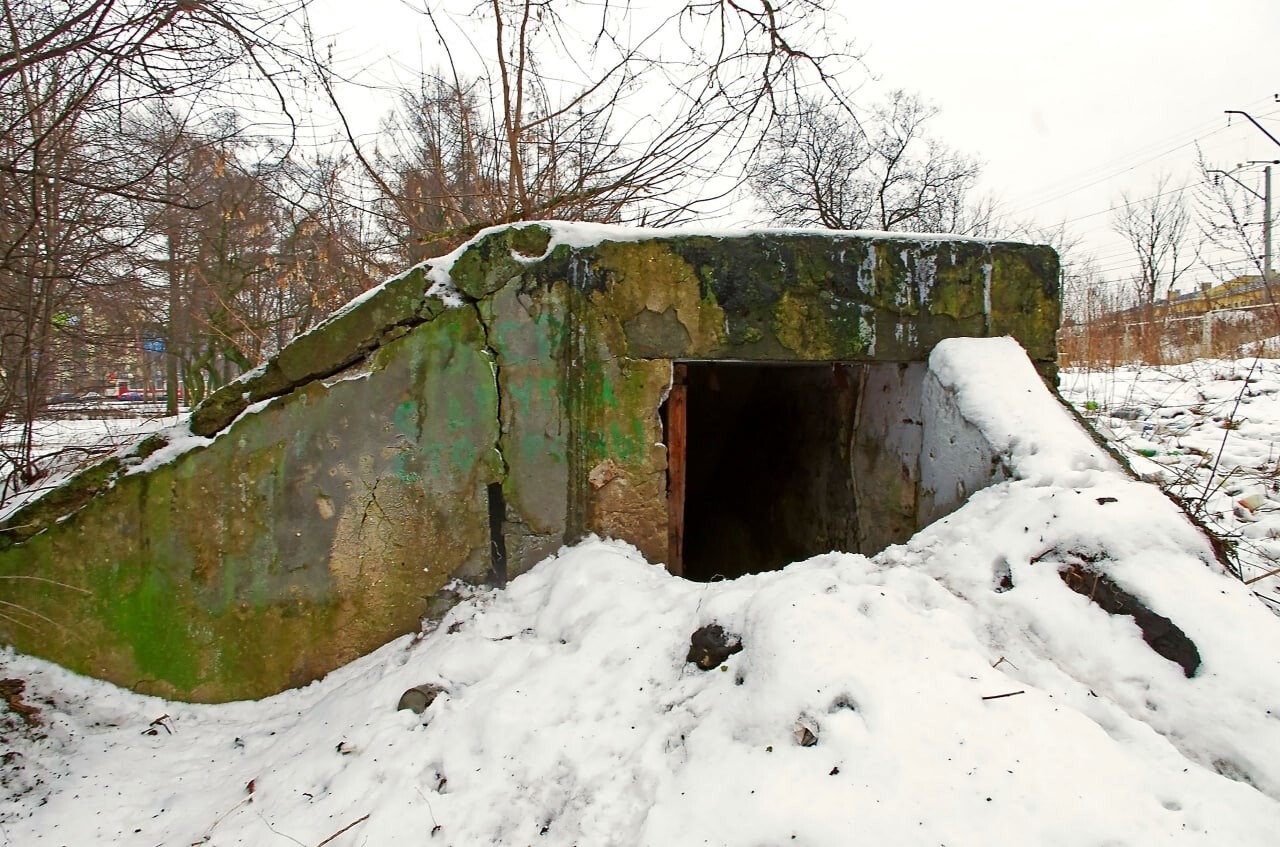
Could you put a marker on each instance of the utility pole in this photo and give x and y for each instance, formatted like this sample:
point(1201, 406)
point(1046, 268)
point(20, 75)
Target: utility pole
point(1266, 215)
point(1266, 221)
point(1265, 197)
point(1266, 225)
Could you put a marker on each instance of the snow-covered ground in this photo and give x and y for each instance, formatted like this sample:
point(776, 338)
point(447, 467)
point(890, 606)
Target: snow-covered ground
point(66, 443)
point(952, 690)
point(1208, 432)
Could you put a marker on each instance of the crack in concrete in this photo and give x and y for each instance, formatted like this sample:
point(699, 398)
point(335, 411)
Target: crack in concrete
point(372, 491)
point(495, 364)
point(497, 505)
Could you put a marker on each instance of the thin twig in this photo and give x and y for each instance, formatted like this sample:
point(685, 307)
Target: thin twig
point(46, 580)
point(1252, 580)
point(1262, 596)
point(344, 829)
point(208, 833)
point(282, 834)
point(1204, 498)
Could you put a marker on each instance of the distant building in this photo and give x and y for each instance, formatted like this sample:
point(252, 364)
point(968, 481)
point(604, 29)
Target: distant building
point(1243, 292)
point(1217, 320)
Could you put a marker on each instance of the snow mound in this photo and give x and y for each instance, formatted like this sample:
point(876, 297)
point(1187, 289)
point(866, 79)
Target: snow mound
point(572, 717)
point(997, 390)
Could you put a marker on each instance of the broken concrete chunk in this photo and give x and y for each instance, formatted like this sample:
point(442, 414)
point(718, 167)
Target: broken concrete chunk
point(603, 474)
point(711, 645)
point(418, 698)
point(1161, 634)
point(490, 262)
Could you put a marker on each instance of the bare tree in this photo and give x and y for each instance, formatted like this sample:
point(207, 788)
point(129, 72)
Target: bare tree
point(59, 241)
point(111, 56)
point(443, 167)
point(76, 193)
point(327, 249)
point(1156, 227)
point(1092, 332)
point(823, 167)
point(641, 127)
point(258, 250)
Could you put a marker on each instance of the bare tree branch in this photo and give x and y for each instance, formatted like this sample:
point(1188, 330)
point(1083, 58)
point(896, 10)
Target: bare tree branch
point(820, 167)
point(1156, 229)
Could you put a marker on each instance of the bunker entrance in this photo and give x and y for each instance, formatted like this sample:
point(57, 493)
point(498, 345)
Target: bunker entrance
point(759, 472)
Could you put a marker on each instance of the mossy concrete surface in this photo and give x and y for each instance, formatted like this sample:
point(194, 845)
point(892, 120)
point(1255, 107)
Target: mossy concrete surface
point(405, 443)
point(306, 535)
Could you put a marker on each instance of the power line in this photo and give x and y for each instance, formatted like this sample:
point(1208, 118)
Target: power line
point(1199, 134)
point(1113, 174)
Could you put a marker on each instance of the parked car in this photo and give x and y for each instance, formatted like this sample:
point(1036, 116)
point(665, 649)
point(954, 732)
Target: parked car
point(63, 397)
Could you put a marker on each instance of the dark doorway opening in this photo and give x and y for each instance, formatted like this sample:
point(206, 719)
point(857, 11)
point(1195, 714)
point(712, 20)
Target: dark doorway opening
point(758, 466)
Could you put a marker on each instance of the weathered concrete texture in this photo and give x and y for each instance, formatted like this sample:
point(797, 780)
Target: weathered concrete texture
point(527, 336)
point(345, 338)
point(298, 541)
point(406, 443)
point(885, 454)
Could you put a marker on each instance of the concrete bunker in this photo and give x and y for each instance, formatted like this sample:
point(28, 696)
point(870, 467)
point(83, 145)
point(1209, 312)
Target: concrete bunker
point(472, 416)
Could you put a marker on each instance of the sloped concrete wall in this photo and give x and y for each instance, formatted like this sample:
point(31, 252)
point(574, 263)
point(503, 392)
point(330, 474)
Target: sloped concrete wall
point(886, 454)
point(415, 439)
point(293, 543)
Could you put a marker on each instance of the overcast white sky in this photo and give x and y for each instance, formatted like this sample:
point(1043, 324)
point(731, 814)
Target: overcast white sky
point(1068, 104)
point(1072, 103)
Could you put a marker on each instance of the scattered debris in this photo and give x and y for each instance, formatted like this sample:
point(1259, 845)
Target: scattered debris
point(710, 645)
point(1246, 507)
point(156, 725)
point(844, 701)
point(11, 691)
point(1160, 633)
point(804, 734)
point(1004, 575)
point(419, 698)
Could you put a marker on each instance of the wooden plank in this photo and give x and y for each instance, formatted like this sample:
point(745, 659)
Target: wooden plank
point(677, 443)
